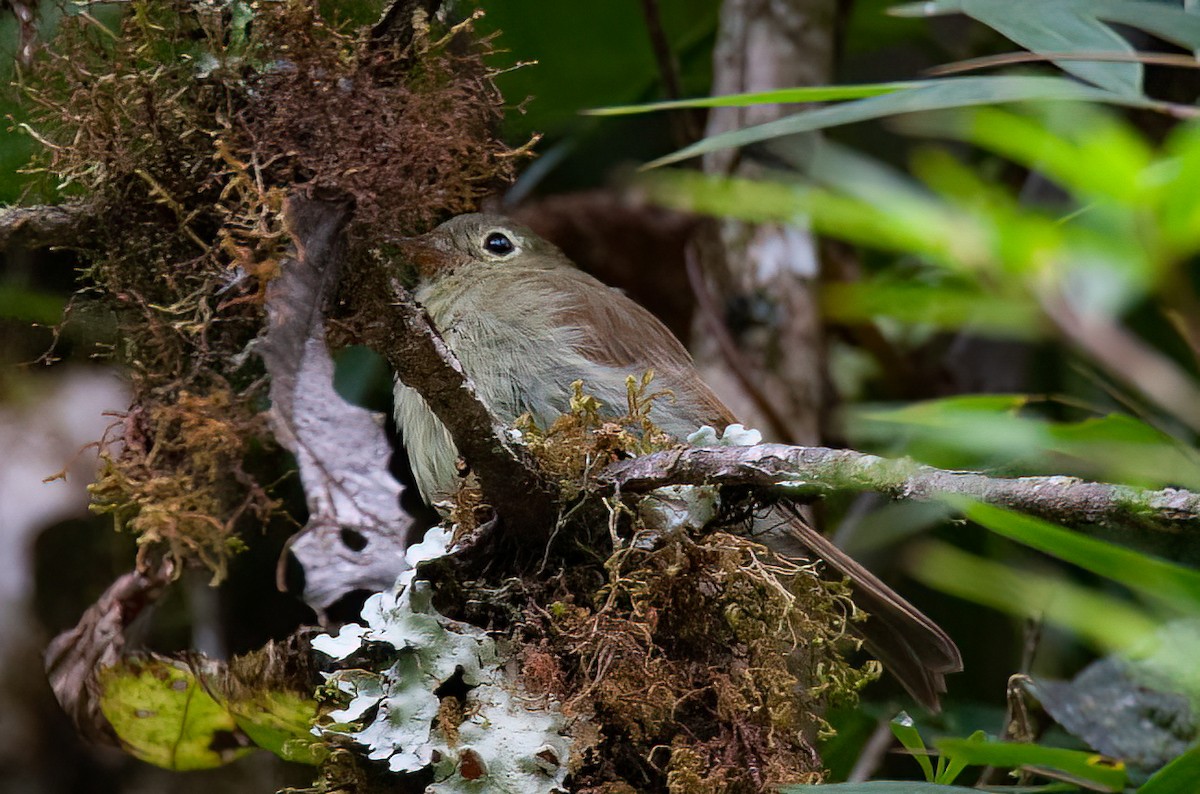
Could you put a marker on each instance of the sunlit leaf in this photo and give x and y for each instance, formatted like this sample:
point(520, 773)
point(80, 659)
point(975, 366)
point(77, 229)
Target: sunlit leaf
point(165, 717)
point(1062, 143)
point(1080, 765)
point(949, 237)
point(989, 430)
point(1152, 576)
point(1106, 622)
point(936, 305)
point(955, 432)
point(1120, 448)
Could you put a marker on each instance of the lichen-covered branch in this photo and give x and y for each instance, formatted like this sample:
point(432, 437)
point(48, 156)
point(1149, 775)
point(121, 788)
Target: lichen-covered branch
point(41, 226)
point(818, 471)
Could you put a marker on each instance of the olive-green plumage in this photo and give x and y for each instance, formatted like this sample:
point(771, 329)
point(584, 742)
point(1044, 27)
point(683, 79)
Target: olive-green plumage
point(525, 323)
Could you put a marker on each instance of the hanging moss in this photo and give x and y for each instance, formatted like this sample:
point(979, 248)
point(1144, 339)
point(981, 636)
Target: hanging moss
point(184, 124)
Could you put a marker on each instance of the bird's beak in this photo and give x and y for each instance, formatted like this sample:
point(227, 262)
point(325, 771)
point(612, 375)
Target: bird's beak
point(429, 255)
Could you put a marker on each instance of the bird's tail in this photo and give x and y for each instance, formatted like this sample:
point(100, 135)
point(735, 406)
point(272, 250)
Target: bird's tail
point(910, 645)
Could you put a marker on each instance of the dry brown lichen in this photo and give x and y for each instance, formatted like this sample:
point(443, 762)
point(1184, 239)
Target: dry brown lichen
point(185, 123)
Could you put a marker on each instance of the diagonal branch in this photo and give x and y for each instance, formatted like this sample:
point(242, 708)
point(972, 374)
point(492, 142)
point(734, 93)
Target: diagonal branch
point(507, 474)
point(818, 471)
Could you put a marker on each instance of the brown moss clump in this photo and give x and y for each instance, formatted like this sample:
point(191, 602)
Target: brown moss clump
point(184, 124)
point(410, 133)
point(705, 662)
point(695, 661)
point(177, 468)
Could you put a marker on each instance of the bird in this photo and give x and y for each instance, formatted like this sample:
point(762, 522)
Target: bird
point(526, 323)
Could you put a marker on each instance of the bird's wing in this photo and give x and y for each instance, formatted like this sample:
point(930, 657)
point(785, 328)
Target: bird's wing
point(618, 332)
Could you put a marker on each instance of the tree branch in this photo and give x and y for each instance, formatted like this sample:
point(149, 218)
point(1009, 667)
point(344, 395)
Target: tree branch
point(507, 474)
point(42, 226)
point(818, 471)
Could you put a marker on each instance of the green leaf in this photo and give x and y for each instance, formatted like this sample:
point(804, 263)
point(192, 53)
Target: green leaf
point(981, 431)
point(967, 431)
point(1122, 448)
point(940, 306)
point(165, 717)
point(1167, 21)
point(1059, 142)
point(934, 95)
point(908, 735)
point(820, 93)
point(1048, 27)
point(879, 787)
point(282, 723)
point(956, 764)
point(1105, 622)
point(1152, 576)
point(915, 225)
point(1177, 777)
point(1082, 766)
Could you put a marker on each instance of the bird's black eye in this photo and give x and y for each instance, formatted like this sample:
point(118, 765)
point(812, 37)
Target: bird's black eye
point(498, 244)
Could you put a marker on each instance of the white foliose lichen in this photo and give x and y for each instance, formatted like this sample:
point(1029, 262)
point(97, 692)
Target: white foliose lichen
point(507, 740)
point(681, 507)
point(735, 435)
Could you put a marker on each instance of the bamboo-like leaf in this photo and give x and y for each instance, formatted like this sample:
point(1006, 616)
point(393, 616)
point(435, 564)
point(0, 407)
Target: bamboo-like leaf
point(933, 95)
point(1152, 576)
point(781, 96)
point(1168, 22)
point(1078, 764)
point(1105, 622)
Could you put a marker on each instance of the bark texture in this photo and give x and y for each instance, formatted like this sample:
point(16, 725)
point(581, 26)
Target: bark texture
point(757, 338)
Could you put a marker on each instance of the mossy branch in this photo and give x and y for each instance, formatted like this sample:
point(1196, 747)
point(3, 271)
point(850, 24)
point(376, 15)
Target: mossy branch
point(818, 471)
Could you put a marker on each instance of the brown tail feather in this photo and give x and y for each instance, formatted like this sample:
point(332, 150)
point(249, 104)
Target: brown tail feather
point(911, 646)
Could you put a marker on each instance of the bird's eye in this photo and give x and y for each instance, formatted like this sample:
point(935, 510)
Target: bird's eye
point(498, 244)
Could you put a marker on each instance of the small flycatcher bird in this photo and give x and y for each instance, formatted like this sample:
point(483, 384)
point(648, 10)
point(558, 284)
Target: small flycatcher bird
point(526, 323)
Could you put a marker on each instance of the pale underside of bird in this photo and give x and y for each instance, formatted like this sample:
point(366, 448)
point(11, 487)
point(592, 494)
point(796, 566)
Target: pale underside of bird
point(525, 324)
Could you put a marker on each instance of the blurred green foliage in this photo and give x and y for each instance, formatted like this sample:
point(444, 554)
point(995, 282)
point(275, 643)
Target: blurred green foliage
point(1049, 223)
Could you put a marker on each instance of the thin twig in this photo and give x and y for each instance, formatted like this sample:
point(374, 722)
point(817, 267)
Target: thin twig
point(686, 123)
point(1009, 58)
